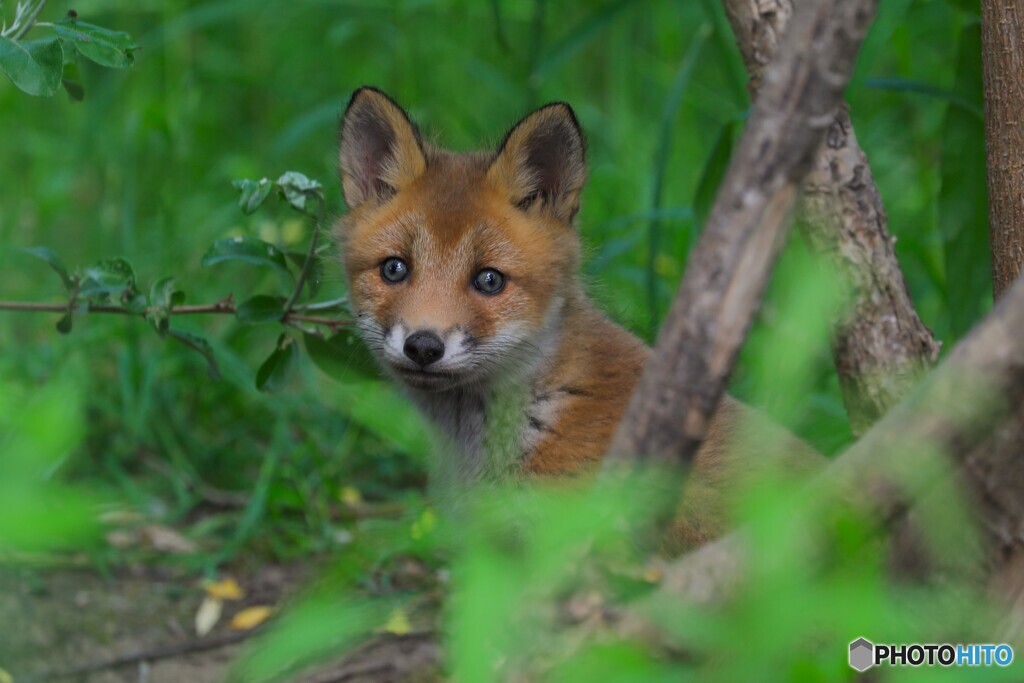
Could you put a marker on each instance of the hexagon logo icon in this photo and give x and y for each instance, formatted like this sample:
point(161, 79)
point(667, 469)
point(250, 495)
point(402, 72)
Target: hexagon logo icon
point(862, 654)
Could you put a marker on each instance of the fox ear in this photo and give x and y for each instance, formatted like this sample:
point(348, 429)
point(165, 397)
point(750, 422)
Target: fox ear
point(542, 162)
point(381, 151)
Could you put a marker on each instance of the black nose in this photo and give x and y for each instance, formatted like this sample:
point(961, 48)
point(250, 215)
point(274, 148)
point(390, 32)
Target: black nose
point(424, 348)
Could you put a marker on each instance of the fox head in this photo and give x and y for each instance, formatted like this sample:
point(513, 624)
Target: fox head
point(458, 265)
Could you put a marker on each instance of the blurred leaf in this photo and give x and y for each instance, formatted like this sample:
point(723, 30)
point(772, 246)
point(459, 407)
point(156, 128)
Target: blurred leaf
point(208, 615)
point(71, 79)
point(343, 356)
point(136, 302)
point(279, 367)
point(46, 254)
point(963, 197)
point(247, 250)
point(109, 48)
point(398, 623)
point(320, 625)
point(64, 324)
point(250, 617)
point(164, 295)
point(713, 173)
point(199, 345)
point(298, 190)
point(75, 90)
point(35, 67)
point(107, 278)
point(253, 194)
point(261, 309)
point(225, 589)
point(166, 540)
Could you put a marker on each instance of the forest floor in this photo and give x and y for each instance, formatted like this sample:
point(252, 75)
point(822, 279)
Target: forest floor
point(138, 625)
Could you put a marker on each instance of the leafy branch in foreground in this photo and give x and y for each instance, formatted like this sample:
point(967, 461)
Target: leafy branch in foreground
point(110, 286)
point(40, 67)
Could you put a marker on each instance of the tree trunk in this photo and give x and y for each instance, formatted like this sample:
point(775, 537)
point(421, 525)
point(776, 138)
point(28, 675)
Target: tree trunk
point(728, 269)
point(997, 465)
point(1002, 36)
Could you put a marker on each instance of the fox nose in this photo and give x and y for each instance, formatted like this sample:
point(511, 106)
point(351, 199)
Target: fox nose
point(424, 348)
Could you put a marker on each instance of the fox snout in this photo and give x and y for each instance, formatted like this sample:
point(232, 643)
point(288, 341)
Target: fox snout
point(423, 348)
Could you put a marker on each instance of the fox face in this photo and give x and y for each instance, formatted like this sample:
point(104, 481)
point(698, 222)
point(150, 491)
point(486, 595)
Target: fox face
point(458, 265)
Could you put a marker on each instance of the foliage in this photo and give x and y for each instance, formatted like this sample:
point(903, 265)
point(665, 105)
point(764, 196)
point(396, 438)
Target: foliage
point(132, 182)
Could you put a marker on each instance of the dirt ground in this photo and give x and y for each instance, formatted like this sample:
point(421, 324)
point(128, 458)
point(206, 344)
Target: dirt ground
point(138, 627)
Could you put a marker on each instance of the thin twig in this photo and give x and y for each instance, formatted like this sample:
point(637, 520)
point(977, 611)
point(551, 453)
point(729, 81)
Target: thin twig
point(307, 265)
point(225, 307)
point(23, 22)
point(150, 655)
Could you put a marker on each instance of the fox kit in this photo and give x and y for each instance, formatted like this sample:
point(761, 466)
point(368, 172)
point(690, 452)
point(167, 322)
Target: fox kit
point(463, 274)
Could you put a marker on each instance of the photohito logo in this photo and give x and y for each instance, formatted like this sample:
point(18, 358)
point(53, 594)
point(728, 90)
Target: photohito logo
point(864, 654)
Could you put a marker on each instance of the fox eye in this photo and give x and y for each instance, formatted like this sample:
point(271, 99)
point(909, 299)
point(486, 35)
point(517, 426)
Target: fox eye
point(489, 281)
point(394, 270)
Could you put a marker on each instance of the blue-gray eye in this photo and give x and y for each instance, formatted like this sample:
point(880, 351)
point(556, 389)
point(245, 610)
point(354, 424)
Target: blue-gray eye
point(489, 281)
point(394, 270)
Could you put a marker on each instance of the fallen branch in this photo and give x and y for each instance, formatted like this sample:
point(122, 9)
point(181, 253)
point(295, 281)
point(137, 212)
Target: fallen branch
point(150, 655)
point(881, 348)
point(729, 268)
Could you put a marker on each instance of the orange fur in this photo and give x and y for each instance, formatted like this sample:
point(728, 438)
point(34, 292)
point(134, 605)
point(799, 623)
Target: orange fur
point(449, 216)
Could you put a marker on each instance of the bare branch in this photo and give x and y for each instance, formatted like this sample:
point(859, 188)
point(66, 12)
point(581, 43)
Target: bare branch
point(881, 347)
point(728, 269)
point(963, 399)
point(224, 307)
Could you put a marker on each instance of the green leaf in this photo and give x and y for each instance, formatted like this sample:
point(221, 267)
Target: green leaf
point(261, 309)
point(200, 346)
point(343, 356)
point(315, 277)
point(135, 302)
point(75, 90)
point(35, 67)
point(298, 190)
point(279, 367)
point(963, 196)
point(164, 295)
point(103, 46)
point(247, 250)
point(253, 194)
point(46, 254)
point(108, 278)
point(713, 173)
point(64, 324)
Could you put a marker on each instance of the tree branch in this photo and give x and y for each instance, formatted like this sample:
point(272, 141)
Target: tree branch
point(1002, 34)
point(728, 269)
point(881, 347)
point(225, 307)
point(978, 385)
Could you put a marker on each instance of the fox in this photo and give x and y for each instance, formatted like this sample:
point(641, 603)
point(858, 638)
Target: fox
point(463, 275)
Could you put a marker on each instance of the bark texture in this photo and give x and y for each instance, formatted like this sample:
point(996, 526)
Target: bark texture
point(728, 269)
point(881, 347)
point(1002, 37)
point(969, 394)
point(996, 468)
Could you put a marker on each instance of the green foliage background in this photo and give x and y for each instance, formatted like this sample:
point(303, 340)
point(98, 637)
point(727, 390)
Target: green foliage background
point(228, 89)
